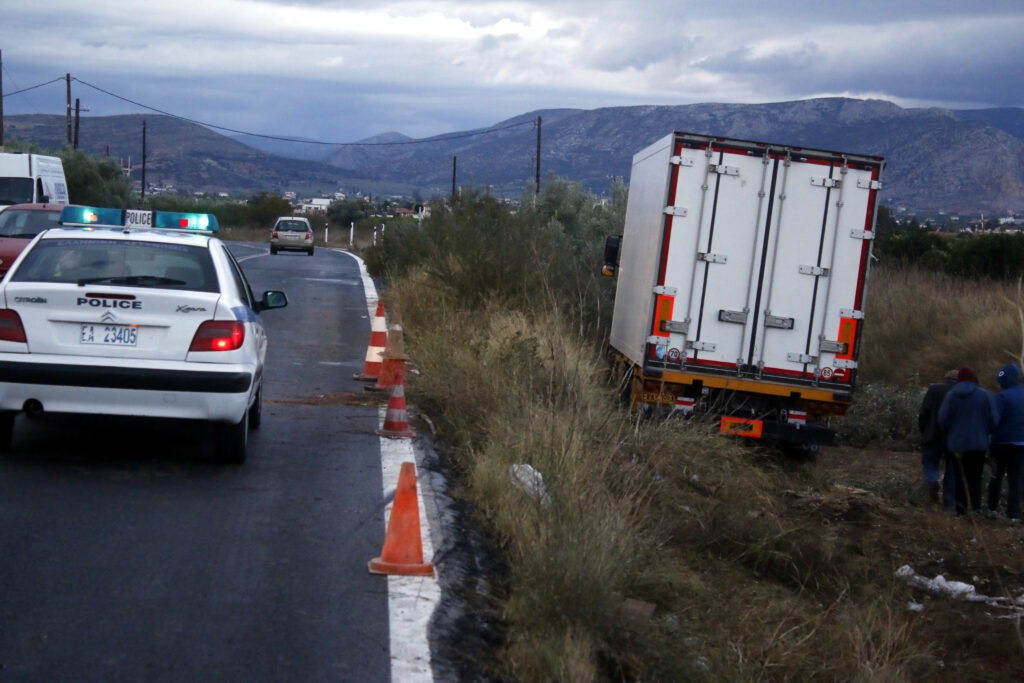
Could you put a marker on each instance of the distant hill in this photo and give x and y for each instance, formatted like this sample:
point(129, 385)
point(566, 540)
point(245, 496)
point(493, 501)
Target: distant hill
point(185, 155)
point(936, 159)
point(958, 161)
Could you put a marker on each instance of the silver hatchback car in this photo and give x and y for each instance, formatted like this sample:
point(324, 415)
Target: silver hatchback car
point(291, 232)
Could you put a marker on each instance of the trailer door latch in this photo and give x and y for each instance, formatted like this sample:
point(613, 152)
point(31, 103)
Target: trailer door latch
point(722, 169)
point(732, 316)
point(800, 358)
point(813, 270)
point(712, 258)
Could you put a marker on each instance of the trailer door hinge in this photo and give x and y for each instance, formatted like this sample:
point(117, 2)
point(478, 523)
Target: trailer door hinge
point(664, 291)
point(722, 169)
point(701, 346)
point(844, 363)
point(682, 161)
point(813, 270)
point(732, 316)
point(825, 182)
point(800, 358)
point(780, 322)
point(851, 313)
point(862, 234)
point(711, 258)
point(677, 326)
point(675, 211)
point(829, 346)
point(869, 184)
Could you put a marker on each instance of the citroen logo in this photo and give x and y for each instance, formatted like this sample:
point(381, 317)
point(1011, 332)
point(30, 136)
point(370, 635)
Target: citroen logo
point(108, 317)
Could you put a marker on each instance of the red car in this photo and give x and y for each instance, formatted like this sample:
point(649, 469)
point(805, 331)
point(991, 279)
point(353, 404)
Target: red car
point(19, 224)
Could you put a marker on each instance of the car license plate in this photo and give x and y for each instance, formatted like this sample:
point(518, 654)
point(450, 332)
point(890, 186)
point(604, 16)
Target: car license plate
point(109, 335)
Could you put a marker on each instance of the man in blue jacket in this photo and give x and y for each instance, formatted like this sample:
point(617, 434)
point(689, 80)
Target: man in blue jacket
point(968, 416)
point(1008, 442)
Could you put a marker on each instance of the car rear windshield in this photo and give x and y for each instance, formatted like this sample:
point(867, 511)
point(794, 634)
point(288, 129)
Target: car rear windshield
point(119, 263)
point(24, 223)
point(292, 226)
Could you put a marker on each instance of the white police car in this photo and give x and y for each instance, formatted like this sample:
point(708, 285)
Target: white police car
point(137, 313)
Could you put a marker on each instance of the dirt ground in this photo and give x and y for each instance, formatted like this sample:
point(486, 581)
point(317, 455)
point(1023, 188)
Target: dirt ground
point(877, 500)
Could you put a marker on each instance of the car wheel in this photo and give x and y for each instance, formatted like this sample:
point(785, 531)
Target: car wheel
point(6, 430)
point(273, 251)
point(310, 252)
point(256, 410)
point(231, 440)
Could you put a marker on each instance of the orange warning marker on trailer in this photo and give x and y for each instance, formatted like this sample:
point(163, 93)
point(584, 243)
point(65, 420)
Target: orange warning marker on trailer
point(378, 341)
point(403, 547)
point(396, 419)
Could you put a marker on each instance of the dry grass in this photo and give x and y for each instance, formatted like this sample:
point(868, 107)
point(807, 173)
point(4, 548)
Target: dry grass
point(757, 568)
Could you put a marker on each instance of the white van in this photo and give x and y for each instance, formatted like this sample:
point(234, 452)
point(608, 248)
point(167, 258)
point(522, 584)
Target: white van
point(31, 179)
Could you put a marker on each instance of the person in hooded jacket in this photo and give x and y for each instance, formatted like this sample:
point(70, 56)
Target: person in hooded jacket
point(1007, 447)
point(968, 416)
point(933, 443)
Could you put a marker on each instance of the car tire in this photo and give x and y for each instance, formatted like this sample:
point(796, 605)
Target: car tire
point(310, 252)
point(231, 440)
point(256, 410)
point(6, 430)
point(273, 251)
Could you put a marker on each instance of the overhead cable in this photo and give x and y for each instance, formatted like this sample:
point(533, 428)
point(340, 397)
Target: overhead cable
point(439, 138)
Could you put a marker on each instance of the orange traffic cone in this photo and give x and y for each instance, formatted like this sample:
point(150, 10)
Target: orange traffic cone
point(403, 547)
point(378, 340)
point(396, 420)
point(393, 359)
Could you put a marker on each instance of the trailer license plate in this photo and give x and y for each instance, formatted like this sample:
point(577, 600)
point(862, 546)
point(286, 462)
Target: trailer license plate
point(738, 426)
point(109, 335)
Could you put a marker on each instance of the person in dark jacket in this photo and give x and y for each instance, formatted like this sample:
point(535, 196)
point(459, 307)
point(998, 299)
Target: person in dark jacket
point(933, 442)
point(968, 416)
point(1007, 447)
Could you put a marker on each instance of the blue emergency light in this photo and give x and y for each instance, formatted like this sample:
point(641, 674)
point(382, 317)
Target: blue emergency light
point(88, 215)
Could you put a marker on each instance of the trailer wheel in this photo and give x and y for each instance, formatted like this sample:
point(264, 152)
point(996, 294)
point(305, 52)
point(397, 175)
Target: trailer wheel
point(799, 451)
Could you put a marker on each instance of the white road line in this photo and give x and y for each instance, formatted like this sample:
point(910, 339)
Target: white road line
point(411, 599)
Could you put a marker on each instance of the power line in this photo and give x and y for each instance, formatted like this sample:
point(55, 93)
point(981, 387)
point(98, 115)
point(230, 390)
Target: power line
point(18, 92)
point(439, 138)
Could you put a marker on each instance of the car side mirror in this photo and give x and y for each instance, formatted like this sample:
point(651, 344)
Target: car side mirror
point(272, 299)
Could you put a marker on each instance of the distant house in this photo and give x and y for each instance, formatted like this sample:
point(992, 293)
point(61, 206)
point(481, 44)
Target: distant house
point(403, 212)
point(316, 205)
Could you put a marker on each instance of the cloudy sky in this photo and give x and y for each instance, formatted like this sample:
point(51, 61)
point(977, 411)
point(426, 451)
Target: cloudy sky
point(344, 70)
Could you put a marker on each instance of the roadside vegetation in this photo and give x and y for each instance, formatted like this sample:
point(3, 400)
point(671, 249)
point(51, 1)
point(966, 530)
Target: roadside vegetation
point(659, 550)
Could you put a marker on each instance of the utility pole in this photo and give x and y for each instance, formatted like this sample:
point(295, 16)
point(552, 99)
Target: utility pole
point(67, 77)
point(537, 189)
point(77, 109)
point(143, 160)
point(455, 160)
point(1, 99)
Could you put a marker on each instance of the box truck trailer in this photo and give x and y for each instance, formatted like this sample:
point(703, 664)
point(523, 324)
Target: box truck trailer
point(742, 270)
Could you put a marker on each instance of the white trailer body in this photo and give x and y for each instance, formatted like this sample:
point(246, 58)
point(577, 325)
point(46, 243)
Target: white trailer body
point(31, 179)
point(743, 269)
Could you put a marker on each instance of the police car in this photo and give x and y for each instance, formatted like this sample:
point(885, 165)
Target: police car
point(136, 313)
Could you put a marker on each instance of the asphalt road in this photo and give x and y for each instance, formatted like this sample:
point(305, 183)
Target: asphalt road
point(126, 553)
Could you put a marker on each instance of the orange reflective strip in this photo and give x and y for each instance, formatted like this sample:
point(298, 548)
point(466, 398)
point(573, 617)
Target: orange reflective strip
point(738, 426)
point(662, 313)
point(847, 333)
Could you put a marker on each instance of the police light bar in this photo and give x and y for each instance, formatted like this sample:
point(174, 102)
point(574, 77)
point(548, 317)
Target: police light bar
point(135, 218)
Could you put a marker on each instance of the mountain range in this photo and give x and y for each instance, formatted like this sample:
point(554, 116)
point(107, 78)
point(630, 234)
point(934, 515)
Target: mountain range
point(958, 161)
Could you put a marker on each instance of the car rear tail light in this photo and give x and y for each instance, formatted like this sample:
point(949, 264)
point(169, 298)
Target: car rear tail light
point(309, 236)
point(274, 235)
point(218, 335)
point(11, 328)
